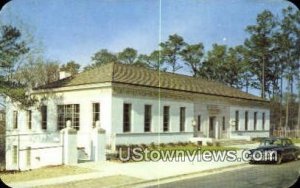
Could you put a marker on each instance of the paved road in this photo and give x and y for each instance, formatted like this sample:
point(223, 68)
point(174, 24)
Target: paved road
point(258, 176)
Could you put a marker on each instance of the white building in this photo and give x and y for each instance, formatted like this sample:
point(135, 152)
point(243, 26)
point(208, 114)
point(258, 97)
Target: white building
point(135, 105)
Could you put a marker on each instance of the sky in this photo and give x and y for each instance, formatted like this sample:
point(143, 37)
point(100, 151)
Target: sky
point(77, 29)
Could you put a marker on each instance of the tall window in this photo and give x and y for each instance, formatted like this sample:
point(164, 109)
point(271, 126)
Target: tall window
point(199, 123)
point(29, 119)
point(68, 112)
point(223, 124)
point(44, 117)
point(166, 118)
point(148, 117)
point(96, 113)
point(15, 119)
point(126, 117)
point(182, 119)
point(246, 120)
point(237, 119)
point(255, 120)
point(263, 121)
point(15, 155)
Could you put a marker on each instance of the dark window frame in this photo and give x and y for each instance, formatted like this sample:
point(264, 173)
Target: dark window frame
point(96, 113)
point(255, 121)
point(68, 112)
point(182, 119)
point(127, 111)
point(246, 120)
point(237, 119)
point(147, 117)
point(199, 123)
point(223, 123)
point(166, 118)
point(263, 120)
point(44, 119)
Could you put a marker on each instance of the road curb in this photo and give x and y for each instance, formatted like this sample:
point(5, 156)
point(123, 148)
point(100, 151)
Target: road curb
point(184, 176)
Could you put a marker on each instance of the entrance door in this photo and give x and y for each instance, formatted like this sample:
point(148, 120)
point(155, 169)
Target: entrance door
point(211, 129)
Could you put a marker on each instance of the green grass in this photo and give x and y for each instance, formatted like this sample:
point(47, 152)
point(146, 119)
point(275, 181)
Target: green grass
point(186, 148)
point(296, 140)
point(42, 173)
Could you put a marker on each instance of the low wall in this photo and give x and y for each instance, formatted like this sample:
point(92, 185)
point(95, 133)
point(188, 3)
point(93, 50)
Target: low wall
point(147, 138)
point(249, 134)
point(38, 155)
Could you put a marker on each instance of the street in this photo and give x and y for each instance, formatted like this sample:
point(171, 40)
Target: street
point(259, 175)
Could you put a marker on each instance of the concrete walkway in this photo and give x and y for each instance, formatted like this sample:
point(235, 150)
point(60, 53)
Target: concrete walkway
point(145, 171)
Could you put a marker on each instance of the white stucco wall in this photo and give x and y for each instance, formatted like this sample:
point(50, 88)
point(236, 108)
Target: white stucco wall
point(259, 132)
point(137, 134)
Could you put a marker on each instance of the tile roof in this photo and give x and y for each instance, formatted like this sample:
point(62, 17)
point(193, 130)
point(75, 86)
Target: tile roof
point(130, 74)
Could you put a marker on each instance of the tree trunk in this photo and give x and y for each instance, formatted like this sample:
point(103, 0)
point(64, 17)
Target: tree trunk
point(263, 79)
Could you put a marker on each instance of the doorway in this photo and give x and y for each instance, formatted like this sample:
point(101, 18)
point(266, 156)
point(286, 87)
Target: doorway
point(212, 122)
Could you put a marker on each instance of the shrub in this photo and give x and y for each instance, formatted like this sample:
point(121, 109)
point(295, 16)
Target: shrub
point(152, 145)
point(143, 146)
point(209, 144)
point(218, 144)
point(162, 145)
point(171, 144)
point(122, 146)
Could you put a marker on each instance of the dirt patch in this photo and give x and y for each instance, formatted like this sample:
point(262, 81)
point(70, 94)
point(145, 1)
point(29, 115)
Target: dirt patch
point(42, 173)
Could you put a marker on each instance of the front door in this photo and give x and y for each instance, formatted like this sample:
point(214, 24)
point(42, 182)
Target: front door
point(212, 120)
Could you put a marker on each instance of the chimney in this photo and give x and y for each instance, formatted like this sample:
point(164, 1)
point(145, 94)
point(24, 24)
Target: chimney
point(64, 74)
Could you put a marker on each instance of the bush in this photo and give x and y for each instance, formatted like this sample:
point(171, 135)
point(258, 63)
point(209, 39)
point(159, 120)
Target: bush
point(209, 144)
point(152, 145)
point(121, 146)
point(162, 145)
point(171, 144)
point(218, 144)
point(143, 146)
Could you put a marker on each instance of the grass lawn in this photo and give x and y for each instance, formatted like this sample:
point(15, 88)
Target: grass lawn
point(186, 149)
point(296, 140)
point(41, 173)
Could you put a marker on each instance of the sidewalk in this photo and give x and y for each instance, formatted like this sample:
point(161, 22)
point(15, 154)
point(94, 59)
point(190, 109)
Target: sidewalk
point(139, 171)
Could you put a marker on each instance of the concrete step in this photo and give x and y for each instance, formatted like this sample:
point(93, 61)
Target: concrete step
point(82, 155)
point(234, 142)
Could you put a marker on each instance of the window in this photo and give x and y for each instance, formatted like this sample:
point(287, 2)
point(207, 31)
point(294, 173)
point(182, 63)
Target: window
point(15, 119)
point(246, 120)
point(68, 112)
point(15, 155)
point(263, 120)
point(96, 113)
point(44, 117)
point(255, 120)
point(126, 117)
point(223, 124)
point(199, 123)
point(237, 120)
point(29, 119)
point(28, 156)
point(166, 118)
point(148, 117)
point(182, 119)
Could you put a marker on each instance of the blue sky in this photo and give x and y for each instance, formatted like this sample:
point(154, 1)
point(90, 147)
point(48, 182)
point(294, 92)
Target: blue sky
point(76, 29)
